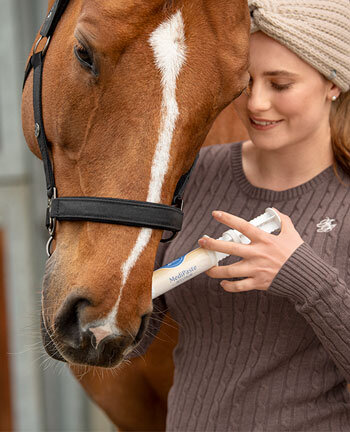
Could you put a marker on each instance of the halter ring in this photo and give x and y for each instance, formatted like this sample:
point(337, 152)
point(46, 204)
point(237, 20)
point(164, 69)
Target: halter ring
point(48, 246)
point(45, 47)
point(52, 223)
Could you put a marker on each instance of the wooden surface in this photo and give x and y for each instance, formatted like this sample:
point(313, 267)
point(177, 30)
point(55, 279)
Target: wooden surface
point(5, 399)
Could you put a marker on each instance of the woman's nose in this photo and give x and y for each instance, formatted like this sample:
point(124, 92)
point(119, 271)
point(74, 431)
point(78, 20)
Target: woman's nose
point(258, 99)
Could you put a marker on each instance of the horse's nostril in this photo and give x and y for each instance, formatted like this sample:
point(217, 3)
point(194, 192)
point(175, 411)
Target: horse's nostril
point(142, 329)
point(67, 322)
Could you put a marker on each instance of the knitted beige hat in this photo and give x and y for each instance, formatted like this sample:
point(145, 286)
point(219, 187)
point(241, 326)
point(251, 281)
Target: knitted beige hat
point(318, 31)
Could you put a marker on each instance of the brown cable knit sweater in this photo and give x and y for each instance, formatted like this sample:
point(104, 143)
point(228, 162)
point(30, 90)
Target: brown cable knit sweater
point(275, 360)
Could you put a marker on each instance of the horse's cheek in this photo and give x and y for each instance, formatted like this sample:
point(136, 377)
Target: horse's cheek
point(28, 119)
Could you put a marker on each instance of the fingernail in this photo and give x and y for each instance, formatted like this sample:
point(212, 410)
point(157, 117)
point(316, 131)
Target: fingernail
point(217, 213)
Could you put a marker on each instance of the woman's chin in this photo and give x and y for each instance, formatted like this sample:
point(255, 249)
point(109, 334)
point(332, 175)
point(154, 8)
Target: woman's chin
point(265, 143)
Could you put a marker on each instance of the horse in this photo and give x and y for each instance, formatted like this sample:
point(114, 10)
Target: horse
point(129, 92)
point(136, 397)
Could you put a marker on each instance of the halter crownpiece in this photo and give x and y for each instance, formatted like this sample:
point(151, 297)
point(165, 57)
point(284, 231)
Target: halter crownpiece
point(93, 209)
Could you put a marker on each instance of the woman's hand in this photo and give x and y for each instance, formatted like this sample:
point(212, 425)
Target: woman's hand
point(262, 258)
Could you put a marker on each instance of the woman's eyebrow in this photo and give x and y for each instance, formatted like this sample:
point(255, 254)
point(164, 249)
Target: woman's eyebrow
point(280, 73)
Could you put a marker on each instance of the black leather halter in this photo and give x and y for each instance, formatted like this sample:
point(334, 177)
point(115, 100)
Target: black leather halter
point(106, 210)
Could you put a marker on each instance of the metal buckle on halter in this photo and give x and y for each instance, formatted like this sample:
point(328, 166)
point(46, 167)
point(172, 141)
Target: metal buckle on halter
point(51, 227)
point(179, 203)
point(43, 52)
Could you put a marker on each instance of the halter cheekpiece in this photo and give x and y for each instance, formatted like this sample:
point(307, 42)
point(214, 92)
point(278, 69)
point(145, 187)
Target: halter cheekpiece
point(94, 209)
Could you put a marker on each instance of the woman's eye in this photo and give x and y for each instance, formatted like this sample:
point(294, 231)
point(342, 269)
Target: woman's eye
point(280, 87)
point(84, 57)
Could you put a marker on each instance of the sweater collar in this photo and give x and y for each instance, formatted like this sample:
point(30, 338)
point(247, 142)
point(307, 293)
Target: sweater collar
point(271, 195)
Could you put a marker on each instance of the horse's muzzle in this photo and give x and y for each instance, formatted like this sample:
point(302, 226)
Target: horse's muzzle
point(49, 346)
point(72, 344)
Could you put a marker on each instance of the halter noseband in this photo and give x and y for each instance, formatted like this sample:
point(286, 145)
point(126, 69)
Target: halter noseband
point(94, 209)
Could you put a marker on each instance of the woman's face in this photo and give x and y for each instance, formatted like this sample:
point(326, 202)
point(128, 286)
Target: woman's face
point(288, 101)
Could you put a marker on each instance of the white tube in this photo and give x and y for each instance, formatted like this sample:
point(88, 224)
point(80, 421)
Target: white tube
point(182, 269)
point(200, 260)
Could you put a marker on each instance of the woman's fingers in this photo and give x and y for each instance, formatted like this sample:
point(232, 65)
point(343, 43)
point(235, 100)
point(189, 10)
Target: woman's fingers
point(240, 269)
point(262, 258)
point(247, 284)
point(230, 248)
point(241, 225)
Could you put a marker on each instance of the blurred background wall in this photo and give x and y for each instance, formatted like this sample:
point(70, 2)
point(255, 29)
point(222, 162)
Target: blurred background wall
point(36, 393)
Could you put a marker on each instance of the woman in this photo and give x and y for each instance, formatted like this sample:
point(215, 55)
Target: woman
point(264, 342)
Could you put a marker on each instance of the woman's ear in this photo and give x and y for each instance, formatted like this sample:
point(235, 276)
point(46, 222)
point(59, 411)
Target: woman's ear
point(333, 92)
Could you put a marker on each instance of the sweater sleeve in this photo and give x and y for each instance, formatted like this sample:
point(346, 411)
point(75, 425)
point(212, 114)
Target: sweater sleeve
point(322, 298)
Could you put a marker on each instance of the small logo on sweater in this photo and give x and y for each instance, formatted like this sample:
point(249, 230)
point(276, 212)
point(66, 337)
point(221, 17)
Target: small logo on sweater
point(326, 225)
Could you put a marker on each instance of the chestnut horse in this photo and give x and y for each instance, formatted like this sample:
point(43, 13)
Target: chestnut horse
point(136, 398)
point(130, 90)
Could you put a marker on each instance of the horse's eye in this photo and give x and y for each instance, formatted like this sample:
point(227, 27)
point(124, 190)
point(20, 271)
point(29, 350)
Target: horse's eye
point(84, 57)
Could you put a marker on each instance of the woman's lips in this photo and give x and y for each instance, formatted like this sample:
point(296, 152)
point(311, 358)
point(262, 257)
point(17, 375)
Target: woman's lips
point(263, 124)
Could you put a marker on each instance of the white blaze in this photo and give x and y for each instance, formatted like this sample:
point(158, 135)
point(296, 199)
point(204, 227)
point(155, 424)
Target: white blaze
point(168, 43)
point(169, 48)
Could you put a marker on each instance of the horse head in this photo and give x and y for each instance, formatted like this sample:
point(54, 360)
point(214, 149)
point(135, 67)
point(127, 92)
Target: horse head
point(130, 90)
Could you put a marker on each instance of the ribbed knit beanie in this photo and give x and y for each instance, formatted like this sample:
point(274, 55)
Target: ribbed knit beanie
point(318, 31)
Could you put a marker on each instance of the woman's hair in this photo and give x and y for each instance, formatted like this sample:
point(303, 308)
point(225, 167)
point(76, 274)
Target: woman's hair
point(318, 31)
point(340, 132)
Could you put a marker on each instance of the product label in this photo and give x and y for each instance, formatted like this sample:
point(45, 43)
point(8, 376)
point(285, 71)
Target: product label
point(182, 274)
point(180, 270)
point(175, 263)
point(185, 271)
